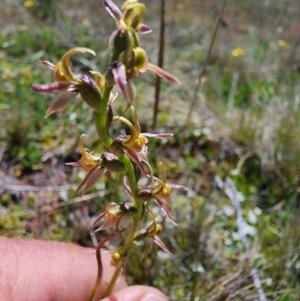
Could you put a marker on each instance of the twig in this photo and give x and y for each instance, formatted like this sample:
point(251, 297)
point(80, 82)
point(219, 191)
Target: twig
point(160, 62)
point(48, 208)
point(33, 188)
point(76, 200)
point(1, 154)
point(203, 69)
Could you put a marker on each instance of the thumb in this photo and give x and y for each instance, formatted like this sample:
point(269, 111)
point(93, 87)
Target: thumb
point(137, 293)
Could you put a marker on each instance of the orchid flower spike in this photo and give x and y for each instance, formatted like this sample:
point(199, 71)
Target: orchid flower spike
point(128, 59)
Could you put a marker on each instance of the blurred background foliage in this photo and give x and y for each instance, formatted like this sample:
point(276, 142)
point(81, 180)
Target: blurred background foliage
point(244, 127)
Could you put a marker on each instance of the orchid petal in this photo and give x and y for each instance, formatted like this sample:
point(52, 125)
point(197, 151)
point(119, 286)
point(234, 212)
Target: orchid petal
point(164, 74)
point(181, 187)
point(113, 10)
point(61, 102)
point(99, 217)
point(127, 187)
point(133, 156)
point(143, 29)
point(52, 87)
point(160, 243)
point(142, 155)
point(100, 80)
point(107, 224)
point(75, 164)
point(90, 180)
point(120, 79)
point(167, 209)
point(113, 96)
point(133, 14)
point(48, 64)
point(66, 62)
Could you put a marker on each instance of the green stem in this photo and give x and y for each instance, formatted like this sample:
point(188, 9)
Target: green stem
point(128, 241)
point(135, 220)
point(100, 118)
point(113, 281)
point(134, 189)
point(130, 174)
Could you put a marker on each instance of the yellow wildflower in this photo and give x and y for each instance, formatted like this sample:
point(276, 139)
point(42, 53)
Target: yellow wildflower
point(238, 52)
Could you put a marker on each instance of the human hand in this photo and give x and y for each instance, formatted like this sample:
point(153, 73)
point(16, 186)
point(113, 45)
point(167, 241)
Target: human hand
point(47, 271)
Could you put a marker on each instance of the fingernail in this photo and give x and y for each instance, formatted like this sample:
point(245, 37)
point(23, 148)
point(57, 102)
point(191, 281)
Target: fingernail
point(152, 297)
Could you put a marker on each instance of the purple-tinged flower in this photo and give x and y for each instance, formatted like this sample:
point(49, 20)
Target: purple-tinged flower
point(151, 235)
point(107, 161)
point(88, 160)
point(131, 17)
point(159, 191)
point(68, 84)
point(128, 58)
point(113, 214)
point(95, 165)
point(120, 79)
point(135, 145)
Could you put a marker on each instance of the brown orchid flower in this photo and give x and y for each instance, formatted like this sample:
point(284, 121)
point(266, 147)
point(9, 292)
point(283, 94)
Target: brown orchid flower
point(68, 84)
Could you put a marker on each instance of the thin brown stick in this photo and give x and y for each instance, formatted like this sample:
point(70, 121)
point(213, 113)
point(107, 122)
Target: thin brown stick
point(203, 69)
point(160, 63)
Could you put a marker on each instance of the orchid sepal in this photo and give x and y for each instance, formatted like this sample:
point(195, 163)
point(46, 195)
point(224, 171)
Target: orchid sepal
point(66, 62)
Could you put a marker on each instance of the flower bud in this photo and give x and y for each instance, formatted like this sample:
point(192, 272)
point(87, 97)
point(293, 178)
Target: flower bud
point(127, 208)
point(117, 146)
point(133, 15)
point(116, 256)
point(118, 43)
point(154, 229)
point(112, 163)
point(113, 211)
point(145, 194)
point(109, 77)
point(90, 92)
point(141, 60)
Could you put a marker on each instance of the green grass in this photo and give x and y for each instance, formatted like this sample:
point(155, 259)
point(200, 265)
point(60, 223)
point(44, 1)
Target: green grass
point(246, 119)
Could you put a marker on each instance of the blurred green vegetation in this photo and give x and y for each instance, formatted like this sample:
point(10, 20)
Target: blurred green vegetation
point(245, 126)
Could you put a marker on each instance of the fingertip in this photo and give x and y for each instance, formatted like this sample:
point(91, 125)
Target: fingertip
point(137, 293)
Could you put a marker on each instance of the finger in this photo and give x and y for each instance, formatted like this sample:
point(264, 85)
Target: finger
point(40, 270)
point(137, 293)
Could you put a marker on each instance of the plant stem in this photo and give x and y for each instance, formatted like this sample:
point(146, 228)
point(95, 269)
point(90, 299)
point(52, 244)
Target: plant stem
point(100, 118)
point(128, 241)
point(113, 281)
point(130, 173)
